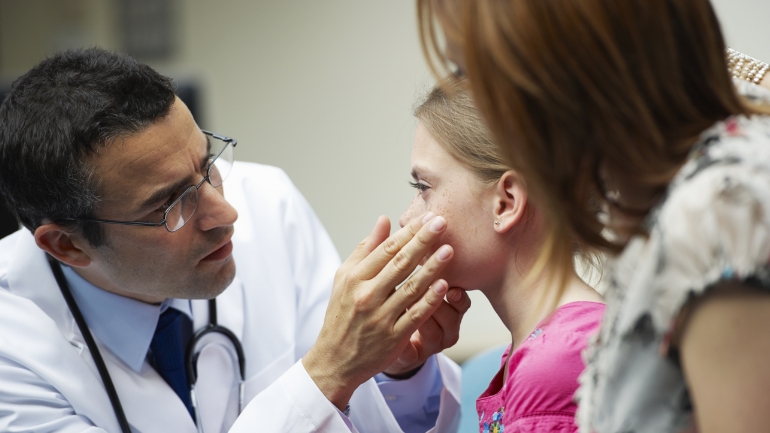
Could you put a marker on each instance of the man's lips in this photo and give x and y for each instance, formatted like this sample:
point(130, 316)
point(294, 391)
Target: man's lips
point(221, 253)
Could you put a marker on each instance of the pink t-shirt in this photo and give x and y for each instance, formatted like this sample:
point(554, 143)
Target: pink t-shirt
point(542, 375)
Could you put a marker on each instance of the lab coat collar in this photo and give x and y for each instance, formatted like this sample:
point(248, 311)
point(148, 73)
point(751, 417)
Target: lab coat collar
point(29, 276)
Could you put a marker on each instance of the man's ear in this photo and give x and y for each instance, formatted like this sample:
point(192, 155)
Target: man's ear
point(62, 244)
point(510, 201)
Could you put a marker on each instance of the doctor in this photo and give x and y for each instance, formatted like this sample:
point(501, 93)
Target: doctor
point(122, 199)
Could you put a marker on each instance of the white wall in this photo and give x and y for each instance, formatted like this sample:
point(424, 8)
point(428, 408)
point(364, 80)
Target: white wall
point(323, 89)
point(745, 25)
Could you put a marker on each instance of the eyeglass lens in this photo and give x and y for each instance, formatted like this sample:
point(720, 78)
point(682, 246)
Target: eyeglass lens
point(184, 207)
point(223, 164)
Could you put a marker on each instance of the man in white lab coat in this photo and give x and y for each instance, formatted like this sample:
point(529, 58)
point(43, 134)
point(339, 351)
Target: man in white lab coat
point(93, 147)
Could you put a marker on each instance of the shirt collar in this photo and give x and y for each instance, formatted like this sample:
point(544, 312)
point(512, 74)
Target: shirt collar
point(126, 326)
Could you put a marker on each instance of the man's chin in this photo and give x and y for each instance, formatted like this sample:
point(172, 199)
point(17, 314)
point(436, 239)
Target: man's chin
point(217, 283)
point(228, 277)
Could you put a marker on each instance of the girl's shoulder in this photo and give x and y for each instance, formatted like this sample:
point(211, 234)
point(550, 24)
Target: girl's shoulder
point(550, 360)
point(543, 371)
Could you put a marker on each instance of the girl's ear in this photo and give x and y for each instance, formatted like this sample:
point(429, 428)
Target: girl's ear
point(510, 201)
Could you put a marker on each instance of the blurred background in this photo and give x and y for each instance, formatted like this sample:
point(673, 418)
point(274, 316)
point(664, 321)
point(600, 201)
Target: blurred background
point(322, 89)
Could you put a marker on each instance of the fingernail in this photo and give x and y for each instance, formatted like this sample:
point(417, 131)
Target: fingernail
point(428, 216)
point(443, 253)
point(440, 287)
point(457, 295)
point(437, 224)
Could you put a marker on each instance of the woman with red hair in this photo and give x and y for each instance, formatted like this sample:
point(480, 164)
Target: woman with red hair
point(625, 120)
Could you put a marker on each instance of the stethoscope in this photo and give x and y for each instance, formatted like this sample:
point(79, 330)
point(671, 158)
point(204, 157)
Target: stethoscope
point(191, 355)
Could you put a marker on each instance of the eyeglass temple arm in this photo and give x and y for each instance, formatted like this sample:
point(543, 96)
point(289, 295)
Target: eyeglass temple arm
point(230, 140)
point(128, 223)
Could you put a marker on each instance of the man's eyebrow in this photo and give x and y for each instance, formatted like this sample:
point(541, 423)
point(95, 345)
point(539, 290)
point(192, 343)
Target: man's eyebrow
point(167, 191)
point(163, 194)
point(207, 156)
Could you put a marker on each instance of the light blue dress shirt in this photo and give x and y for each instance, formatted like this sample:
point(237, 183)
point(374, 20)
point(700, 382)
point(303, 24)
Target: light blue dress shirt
point(126, 327)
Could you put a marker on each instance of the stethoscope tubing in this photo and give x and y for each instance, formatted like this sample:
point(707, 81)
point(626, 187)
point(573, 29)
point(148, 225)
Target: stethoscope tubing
point(95, 353)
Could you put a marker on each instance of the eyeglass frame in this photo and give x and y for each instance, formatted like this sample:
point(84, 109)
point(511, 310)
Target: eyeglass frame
point(228, 142)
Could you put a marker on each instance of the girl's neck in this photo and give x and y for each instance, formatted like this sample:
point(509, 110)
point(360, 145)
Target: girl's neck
point(521, 307)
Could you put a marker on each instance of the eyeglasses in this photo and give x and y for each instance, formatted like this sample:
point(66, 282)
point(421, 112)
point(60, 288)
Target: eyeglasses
point(221, 155)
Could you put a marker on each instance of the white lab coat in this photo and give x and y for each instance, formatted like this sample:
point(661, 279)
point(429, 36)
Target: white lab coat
point(285, 265)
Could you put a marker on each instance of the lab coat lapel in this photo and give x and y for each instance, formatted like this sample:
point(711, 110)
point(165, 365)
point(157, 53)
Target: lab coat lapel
point(151, 405)
point(30, 277)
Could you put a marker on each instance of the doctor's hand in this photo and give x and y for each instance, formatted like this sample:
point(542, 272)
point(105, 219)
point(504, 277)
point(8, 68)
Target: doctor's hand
point(368, 323)
point(439, 332)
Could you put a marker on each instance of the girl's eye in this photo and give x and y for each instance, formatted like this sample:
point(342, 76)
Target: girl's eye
point(419, 186)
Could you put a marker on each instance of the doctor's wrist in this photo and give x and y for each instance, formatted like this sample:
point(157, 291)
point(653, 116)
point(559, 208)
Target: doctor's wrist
point(404, 374)
point(334, 388)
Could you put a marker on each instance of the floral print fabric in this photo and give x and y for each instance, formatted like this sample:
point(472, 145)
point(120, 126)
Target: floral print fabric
point(713, 225)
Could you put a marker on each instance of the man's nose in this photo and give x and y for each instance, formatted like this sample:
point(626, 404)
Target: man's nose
point(213, 210)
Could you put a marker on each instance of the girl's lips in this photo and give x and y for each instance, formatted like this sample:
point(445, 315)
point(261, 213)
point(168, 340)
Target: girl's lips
point(220, 253)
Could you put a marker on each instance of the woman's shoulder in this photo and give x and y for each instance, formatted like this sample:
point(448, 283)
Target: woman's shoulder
point(713, 225)
point(738, 141)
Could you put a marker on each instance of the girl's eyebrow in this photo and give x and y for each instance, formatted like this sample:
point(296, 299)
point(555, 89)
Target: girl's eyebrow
point(418, 172)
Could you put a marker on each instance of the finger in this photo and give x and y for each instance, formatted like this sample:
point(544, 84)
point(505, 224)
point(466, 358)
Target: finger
point(447, 318)
point(409, 355)
point(415, 287)
point(421, 311)
point(378, 234)
point(459, 299)
point(431, 333)
point(391, 251)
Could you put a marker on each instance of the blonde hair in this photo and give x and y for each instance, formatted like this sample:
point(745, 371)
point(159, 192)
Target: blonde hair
point(568, 86)
point(449, 115)
point(452, 119)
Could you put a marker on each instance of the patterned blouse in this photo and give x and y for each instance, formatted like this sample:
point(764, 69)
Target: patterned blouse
point(713, 225)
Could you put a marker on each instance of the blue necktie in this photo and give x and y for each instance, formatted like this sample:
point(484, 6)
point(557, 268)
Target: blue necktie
point(168, 352)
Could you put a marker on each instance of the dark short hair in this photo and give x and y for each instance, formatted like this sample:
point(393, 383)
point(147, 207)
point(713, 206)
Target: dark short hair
point(53, 121)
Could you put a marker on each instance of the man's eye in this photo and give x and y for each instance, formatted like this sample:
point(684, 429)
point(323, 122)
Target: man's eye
point(162, 209)
point(419, 186)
